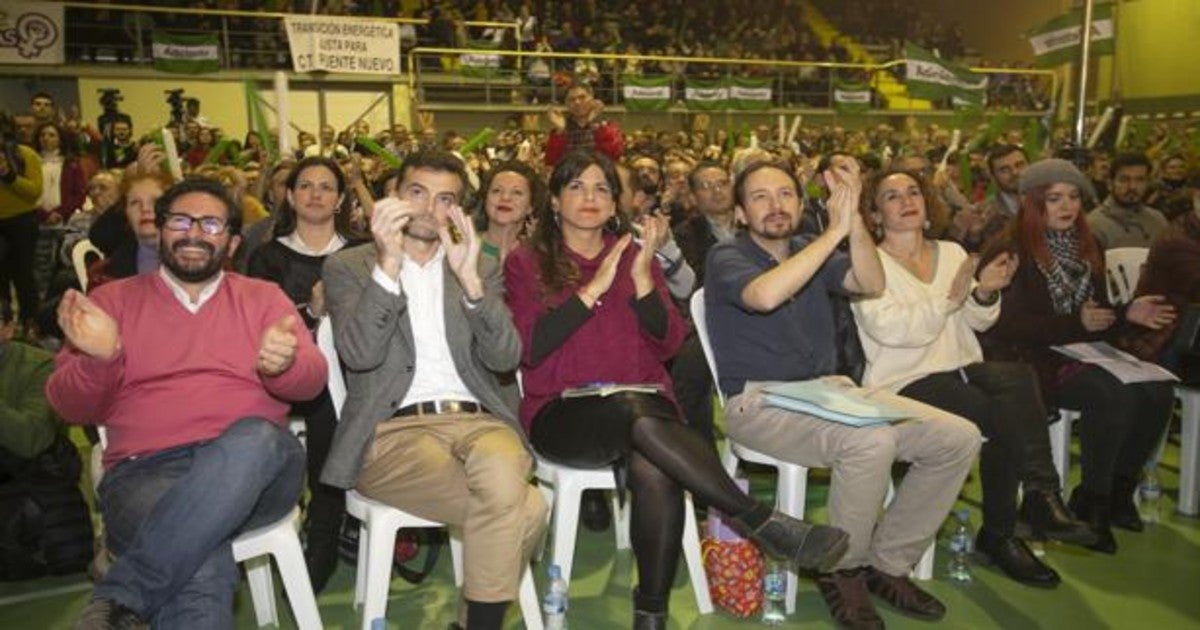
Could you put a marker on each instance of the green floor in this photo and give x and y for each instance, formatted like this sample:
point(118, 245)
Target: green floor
point(1153, 582)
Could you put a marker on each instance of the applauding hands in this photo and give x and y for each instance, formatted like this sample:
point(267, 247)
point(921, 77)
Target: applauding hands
point(87, 327)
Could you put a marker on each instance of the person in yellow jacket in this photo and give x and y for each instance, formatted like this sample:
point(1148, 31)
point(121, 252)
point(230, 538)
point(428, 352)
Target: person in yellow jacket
point(20, 190)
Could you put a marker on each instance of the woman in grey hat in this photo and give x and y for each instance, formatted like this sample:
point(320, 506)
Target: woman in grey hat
point(1058, 297)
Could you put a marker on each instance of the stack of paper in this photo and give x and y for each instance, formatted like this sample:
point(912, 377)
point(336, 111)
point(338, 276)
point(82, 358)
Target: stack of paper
point(832, 401)
point(1126, 367)
point(608, 389)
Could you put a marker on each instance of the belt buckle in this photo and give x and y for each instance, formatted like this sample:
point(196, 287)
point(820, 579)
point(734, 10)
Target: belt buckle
point(448, 406)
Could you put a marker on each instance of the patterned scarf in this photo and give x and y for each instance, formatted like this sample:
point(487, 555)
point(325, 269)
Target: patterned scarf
point(1068, 275)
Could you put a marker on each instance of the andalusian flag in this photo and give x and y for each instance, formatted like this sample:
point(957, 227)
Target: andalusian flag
point(187, 54)
point(851, 98)
point(930, 77)
point(749, 94)
point(707, 94)
point(1057, 42)
point(644, 94)
point(481, 63)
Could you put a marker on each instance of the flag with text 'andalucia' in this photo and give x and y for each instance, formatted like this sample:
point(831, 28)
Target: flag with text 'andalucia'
point(1058, 41)
point(191, 53)
point(706, 94)
point(644, 94)
point(747, 93)
point(930, 77)
point(851, 98)
point(480, 63)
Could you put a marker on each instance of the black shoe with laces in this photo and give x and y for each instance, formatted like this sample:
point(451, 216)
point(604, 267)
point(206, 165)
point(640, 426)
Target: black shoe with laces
point(1049, 519)
point(106, 614)
point(1014, 558)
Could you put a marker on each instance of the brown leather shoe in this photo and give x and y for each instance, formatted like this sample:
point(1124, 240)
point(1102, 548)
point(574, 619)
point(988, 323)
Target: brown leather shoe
point(845, 594)
point(904, 596)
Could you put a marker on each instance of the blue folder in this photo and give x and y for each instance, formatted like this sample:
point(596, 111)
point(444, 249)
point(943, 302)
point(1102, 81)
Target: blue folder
point(832, 401)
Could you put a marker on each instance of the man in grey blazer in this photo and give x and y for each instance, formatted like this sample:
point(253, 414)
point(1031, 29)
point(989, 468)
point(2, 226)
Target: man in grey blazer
point(422, 331)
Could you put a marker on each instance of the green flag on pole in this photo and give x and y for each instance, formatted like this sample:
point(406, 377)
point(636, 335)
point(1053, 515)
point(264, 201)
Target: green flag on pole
point(749, 94)
point(643, 94)
point(706, 95)
point(186, 54)
point(930, 77)
point(1057, 42)
point(851, 98)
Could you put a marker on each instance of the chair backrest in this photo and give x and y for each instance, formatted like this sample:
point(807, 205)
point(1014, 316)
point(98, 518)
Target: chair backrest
point(337, 382)
point(80, 254)
point(696, 305)
point(1123, 268)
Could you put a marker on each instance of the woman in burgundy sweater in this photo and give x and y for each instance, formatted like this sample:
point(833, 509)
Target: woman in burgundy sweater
point(592, 306)
point(1058, 297)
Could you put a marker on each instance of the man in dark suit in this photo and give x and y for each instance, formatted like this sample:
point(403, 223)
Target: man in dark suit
point(423, 332)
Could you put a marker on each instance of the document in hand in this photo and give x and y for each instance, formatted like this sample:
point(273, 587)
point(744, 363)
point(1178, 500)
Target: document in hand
point(831, 401)
point(1126, 367)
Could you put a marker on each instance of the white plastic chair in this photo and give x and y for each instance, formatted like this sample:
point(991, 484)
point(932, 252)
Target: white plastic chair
point(1189, 450)
point(1123, 268)
point(1060, 444)
point(253, 548)
point(380, 522)
point(79, 260)
point(793, 478)
point(563, 488)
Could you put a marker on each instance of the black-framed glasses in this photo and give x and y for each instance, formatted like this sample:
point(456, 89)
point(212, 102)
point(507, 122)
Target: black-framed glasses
point(211, 226)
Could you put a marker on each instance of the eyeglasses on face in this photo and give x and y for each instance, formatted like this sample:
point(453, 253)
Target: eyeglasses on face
point(717, 185)
point(211, 226)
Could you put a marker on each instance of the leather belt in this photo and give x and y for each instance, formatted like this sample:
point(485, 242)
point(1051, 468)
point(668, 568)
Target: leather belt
point(435, 407)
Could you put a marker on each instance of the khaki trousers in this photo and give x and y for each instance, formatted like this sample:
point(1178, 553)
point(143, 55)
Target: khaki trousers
point(470, 471)
point(940, 446)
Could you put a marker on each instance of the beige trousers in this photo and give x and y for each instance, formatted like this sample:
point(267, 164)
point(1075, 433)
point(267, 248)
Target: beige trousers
point(470, 471)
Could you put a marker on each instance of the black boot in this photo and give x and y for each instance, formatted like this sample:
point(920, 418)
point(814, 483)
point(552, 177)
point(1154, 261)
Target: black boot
point(1094, 509)
point(812, 547)
point(649, 613)
point(1012, 556)
point(594, 510)
point(1124, 512)
point(1048, 518)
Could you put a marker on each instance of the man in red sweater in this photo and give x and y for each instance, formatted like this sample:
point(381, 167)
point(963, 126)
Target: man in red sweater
point(582, 128)
point(189, 370)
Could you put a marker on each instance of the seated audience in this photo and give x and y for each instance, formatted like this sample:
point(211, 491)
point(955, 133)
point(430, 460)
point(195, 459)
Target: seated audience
point(919, 340)
point(423, 331)
point(1057, 296)
point(771, 320)
point(509, 194)
point(198, 446)
point(590, 306)
point(1124, 219)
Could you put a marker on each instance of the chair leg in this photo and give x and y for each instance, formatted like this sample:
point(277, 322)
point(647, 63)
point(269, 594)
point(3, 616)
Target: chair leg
point(1060, 445)
point(297, 584)
point(456, 556)
point(789, 499)
point(924, 568)
point(691, 553)
point(566, 523)
point(531, 611)
point(360, 566)
point(262, 590)
point(381, 541)
point(620, 521)
point(1189, 452)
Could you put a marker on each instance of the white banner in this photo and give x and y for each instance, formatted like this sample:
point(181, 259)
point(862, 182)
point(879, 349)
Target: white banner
point(31, 32)
point(334, 44)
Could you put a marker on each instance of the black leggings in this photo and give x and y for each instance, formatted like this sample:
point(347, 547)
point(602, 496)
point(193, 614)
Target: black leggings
point(664, 458)
point(1120, 425)
point(327, 502)
point(1005, 402)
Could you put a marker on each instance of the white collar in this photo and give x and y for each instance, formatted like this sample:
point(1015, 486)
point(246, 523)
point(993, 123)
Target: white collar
point(181, 294)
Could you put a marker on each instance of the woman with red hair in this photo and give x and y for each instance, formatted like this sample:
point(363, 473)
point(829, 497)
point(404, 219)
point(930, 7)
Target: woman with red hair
point(1058, 297)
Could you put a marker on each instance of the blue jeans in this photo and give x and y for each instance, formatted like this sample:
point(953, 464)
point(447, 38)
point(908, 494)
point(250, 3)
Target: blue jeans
point(170, 518)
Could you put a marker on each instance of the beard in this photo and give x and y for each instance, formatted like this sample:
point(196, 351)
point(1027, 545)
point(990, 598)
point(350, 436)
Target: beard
point(423, 228)
point(192, 272)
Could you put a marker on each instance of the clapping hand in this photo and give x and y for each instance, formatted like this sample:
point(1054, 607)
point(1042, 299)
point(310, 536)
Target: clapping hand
point(277, 351)
point(606, 273)
point(960, 287)
point(1151, 311)
point(87, 327)
point(845, 185)
point(388, 221)
point(1096, 318)
point(462, 254)
point(997, 274)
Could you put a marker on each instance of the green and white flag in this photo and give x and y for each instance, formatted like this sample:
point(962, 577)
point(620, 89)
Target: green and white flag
point(749, 93)
point(707, 95)
point(851, 98)
point(930, 77)
point(187, 54)
point(1057, 42)
point(644, 94)
point(482, 63)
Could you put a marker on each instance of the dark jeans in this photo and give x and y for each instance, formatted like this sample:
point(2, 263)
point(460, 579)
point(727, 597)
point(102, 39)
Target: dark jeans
point(1004, 401)
point(170, 518)
point(1121, 425)
point(20, 233)
point(663, 456)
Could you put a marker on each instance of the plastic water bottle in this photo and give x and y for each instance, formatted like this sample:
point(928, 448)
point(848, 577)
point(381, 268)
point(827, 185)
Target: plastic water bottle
point(774, 610)
point(554, 604)
point(1149, 495)
point(959, 568)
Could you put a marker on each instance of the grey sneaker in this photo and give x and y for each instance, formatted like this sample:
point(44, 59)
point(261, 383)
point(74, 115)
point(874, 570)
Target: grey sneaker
point(105, 614)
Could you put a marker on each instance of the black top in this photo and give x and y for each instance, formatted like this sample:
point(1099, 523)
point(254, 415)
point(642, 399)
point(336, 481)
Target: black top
point(294, 272)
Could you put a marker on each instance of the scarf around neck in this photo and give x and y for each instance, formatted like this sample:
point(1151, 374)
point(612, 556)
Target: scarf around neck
point(1068, 274)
